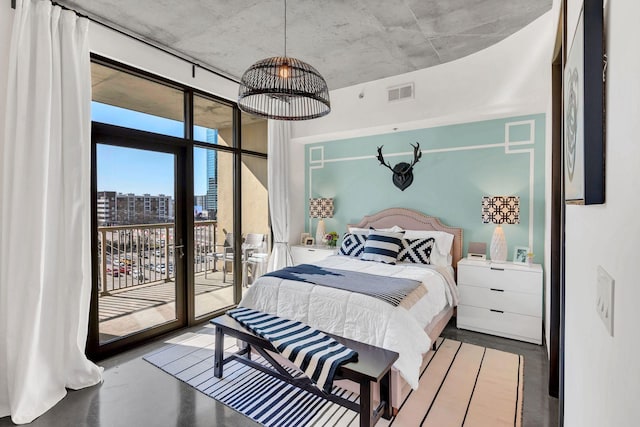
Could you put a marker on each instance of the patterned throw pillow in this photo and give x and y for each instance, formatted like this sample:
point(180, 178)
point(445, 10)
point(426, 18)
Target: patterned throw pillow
point(352, 244)
point(382, 246)
point(417, 251)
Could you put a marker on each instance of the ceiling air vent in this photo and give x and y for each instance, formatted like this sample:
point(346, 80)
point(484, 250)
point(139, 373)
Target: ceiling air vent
point(401, 92)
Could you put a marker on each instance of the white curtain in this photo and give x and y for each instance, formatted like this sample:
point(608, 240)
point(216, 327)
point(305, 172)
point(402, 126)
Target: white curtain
point(278, 166)
point(45, 243)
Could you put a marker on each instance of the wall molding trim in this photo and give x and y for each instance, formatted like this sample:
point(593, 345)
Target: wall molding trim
point(317, 161)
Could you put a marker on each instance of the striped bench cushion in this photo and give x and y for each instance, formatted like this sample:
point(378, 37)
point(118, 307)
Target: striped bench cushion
point(313, 352)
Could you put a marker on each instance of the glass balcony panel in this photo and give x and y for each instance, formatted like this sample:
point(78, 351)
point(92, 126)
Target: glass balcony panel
point(213, 122)
point(213, 230)
point(254, 133)
point(255, 217)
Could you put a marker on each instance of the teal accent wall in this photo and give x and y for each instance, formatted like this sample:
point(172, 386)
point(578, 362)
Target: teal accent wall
point(460, 164)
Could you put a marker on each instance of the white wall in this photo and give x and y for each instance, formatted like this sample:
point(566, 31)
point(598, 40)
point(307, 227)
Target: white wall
point(602, 374)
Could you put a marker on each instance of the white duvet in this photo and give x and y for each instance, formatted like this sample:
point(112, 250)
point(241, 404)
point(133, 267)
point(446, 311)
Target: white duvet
point(360, 317)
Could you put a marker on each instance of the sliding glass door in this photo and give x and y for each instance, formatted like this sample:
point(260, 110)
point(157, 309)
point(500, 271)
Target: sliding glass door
point(139, 223)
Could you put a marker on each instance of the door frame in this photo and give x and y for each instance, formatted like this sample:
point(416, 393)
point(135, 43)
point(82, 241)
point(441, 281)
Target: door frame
point(136, 139)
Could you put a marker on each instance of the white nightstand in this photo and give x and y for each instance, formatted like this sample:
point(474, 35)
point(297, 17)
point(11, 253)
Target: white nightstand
point(308, 254)
point(502, 299)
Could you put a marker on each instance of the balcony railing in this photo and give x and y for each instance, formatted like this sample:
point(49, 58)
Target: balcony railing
point(134, 255)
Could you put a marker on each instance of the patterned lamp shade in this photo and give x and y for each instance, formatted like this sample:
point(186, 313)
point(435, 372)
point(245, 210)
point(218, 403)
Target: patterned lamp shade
point(321, 208)
point(501, 209)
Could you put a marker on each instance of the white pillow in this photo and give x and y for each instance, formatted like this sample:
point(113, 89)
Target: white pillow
point(356, 230)
point(440, 260)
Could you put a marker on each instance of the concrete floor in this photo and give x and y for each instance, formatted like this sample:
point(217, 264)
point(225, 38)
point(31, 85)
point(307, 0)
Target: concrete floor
point(135, 393)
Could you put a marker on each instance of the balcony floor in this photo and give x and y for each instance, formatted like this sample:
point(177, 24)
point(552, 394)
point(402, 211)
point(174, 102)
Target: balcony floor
point(136, 308)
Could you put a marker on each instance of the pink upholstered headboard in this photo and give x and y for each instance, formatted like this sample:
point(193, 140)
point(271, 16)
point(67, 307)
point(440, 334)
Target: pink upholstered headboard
point(413, 220)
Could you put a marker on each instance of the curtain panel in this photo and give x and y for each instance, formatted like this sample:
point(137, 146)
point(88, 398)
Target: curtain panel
point(279, 133)
point(45, 222)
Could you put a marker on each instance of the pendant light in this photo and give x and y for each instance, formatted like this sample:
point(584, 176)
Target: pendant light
point(284, 88)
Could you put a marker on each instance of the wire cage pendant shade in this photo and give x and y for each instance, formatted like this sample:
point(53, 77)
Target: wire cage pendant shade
point(284, 88)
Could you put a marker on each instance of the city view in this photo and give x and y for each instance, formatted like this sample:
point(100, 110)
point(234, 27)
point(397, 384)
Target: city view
point(137, 186)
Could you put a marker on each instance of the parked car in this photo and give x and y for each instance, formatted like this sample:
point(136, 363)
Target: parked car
point(138, 274)
point(113, 271)
point(125, 269)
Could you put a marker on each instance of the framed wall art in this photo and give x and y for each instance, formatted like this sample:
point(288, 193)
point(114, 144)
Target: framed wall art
point(583, 83)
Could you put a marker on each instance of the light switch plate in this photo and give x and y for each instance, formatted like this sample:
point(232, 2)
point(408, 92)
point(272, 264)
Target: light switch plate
point(604, 298)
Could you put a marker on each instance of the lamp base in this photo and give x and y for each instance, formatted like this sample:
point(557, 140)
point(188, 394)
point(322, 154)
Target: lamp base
point(498, 249)
point(320, 232)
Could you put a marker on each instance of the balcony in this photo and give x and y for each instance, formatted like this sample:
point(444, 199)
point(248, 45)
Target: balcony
point(136, 276)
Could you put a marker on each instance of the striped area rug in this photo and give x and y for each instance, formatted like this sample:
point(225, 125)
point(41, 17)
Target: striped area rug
point(460, 385)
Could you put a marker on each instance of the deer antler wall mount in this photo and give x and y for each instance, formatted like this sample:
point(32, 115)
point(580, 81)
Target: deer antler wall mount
point(402, 172)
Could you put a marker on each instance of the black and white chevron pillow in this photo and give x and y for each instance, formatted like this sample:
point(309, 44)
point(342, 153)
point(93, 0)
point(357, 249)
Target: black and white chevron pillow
point(417, 251)
point(352, 244)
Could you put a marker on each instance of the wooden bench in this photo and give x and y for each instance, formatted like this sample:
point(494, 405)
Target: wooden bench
point(373, 365)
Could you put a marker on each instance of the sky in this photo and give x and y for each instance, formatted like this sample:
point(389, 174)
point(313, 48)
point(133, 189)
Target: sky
point(128, 170)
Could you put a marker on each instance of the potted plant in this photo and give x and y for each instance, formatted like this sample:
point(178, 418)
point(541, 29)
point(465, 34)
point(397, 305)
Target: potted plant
point(331, 239)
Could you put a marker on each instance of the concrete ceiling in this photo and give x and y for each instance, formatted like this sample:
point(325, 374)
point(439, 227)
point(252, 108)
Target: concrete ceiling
point(349, 42)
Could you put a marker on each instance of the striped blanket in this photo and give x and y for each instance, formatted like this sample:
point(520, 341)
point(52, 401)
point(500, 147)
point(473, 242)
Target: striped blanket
point(313, 352)
point(396, 291)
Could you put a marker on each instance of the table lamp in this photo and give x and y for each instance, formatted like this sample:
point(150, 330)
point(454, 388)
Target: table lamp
point(500, 210)
point(320, 208)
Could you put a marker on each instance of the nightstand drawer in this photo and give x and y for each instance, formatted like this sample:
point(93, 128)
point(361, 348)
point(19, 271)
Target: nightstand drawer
point(493, 298)
point(516, 326)
point(310, 254)
point(501, 278)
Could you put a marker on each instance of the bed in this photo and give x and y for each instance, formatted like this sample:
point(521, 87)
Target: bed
point(410, 332)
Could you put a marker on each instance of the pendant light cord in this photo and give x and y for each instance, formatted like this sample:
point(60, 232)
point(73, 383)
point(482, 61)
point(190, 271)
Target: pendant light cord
point(285, 28)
